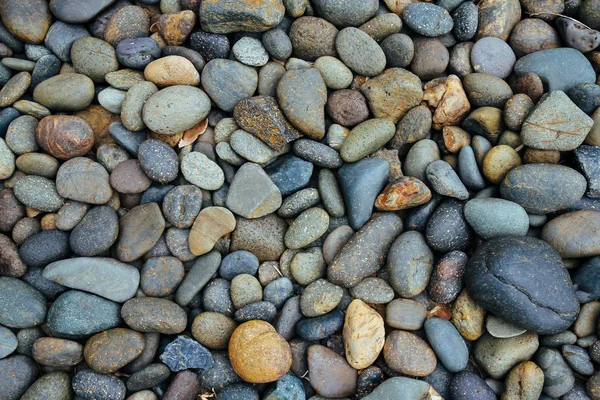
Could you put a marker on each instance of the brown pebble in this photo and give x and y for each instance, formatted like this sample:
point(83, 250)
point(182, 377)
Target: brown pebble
point(405, 192)
point(64, 136)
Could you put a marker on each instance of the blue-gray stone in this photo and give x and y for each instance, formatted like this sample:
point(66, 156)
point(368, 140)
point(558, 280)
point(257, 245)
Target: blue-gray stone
point(468, 170)
point(287, 387)
point(558, 377)
point(5, 74)
point(320, 327)
point(440, 380)
point(49, 289)
point(278, 291)
point(465, 21)
point(201, 272)
point(17, 373)
point(21, 306)
point(127, 139)
point(444, 180)
point(46, 67)
point(185, 353)
point(7, 115)
point(493, 217)
point(261, 310)
point(536, 296)
point(428, 19)
point(76, 315)
point(88, 385)
point(239, 391)
point(45, 247)
point(237, 263)
point(578, 359)
point(586, 96)
point(60, 38)
point(417, 217)
point(469, 386)
point(155, 194)
point(220, 375)
point(137, 52)
point(399, 387)
point(587, 277)
point(561, 69)
point(447, 343)
point(96, 232)
point(360, 183)
point(290, 173)
point(588, 162)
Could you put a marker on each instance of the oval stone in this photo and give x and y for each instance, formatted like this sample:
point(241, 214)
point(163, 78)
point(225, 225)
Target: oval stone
point(64, 136)
point(65, 92)
point(139, 231)
point(535, 296)
point(108, 351)
point(151, 314)
point(21, 306)
point(84, 180)
point(574, 234)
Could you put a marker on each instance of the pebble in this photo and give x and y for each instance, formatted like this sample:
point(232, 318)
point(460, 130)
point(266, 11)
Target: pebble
point(213, 330)
point(76, 315)
point(405, 314)
point(150, 314)
point(360, 184)
point(578, 359)
point(543, 188)
point(585, 96)
point(227, 82)
point(15, 295)
point(370, 243)
point(465, 18)
point(445, 181)
point(105, 277)
point(581, 227)
point(277, 44)
point(289, 173)
point(360, 52)
point(447, 228)
point(139, 230)
point(408, 354)
point(251, 148)
point(263, 236)
point(492, 218)
point(469, 386)
point(60, 38)
point(306, 228)
point(486, 90)
point(428, 19)
point(578, 36)
point(198, 276)
point(448, 345)
point(172, 70)
point(409, 264)
point(364, 334)
point(250, 51)
point(184, 353)
point(83, 180)
point(14, 88)
point(51, 385)
point(17, 373)
point(89, 384)
point(265, 197)
point(373, 291)
point(319, 298)
point(137, 53)
point(558, 377)
point(160, 276)
point(431, 58)
point(393, 93)
point(108, 351)
point(64, 137)
point(7, 160)
point(366, 138)
point(65, 92)
point(234, 16)
point(199, 170)
point(175, 109)
point(335, 73)
point(211, 224)
point(559, 311)
point(347, 107)
point(526, 380)
point(329, 373)
point(492, 56)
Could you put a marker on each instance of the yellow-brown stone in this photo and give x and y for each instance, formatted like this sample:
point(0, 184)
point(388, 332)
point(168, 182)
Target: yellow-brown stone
point(211, 224)
point(108, 351)
point(524, 382)
point(468, 317)
point(364, 334)
point(172, 70)
point(447, 96)
point(175, 28)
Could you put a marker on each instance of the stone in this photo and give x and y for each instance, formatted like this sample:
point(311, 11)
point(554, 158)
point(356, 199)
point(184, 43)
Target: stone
point(261, 116)
point(150, 314)
point(64, 136)
point(7, 160)
point(329, 373)
point(262, 236)
point(17, 373)
point(431, 58)
point(526, 381)
point(60, 38)
point(364, 334)
point(302, 95)
point(381, 26)
point(408, 354)
point(360, 184)
point(27, 305)
point(485, 90)
point(175, 27)
point(532, 296)
point(139, 231)
point(449, 99)
point(137, 53)
point(370, 244)
point(393, 93)
point(213, 330)
point(498, 356)
point(82, 179)
point(211, 224)
point(531, 35)
point(411, 388)
point(108, 351)
point(492, 218)
point(65, 92)
point(266, 197)
point(492, 56)
point(11, 210)
point(405, 314)
point(160, 276)
point(90, 384)
point(469, 386)
point(250, 51)
point(347, 107)
point(131, 109)
point(289, 173)
point(428, 19)
point(197, 277)
point(448, 345)
point(184, 353)
point(319, 298)
point(27, 21)
point(172, 70)
point(366, 138)
point(306, 228)
point(360, 52)
point(11, 263)
point(158, 160)
point(465, 19)
point(497, 18)
point(540, 131)
point(227, 82)
point(558, 377)
point(199, 170)
point(175, 109)
point(38, 193)
point(577, 35)
point(447, 228)
point(129, 22)
point(444, 180)
point(586, 158)
point(558, 76)
point(409, 264)
point(105, 277)
point(128, 178)
point(77, 315)
point(51, 385)
point(93, 58)
point(277, 44)
point(272, 356)
point(232, 16)
point(543, 188)
point(578, 359)
point(580, 228)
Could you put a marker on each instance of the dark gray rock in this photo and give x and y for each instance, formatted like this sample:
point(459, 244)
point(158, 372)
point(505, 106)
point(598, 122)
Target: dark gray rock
point(136, 53)
point(445, 181)
point(317, 153)
point(320, 327)
point(76, 11)
point(588, 162)
point(88, 385)
point(468, 170)
point(346, 13)
point(428, 19)
point(185, 353)
point(578, 359)
point(278, 291)
point(215, 297)
point(290, 173)
point(45, 247)
point(129, 140)
point(181, 205)
point(586, 96)
point(60, 38)
point(277, 44)
point(46, 67)
point(49, 289)
point(465, 19)
point(210, 45)
point(447, 228)
point(535, 296)
point(239, 391)
point(227, 82)
point(587, 278)
point(286, 387)
point(96, 232)
point(148, 377)
point(17, 373)
point(469, 386)
point(158, 160)
point(409, 264)
point(237, 263)
point(260, 310)
point(201, 272)
point(21, 306)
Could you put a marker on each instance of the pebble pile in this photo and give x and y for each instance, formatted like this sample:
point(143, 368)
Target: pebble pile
point(299, 199)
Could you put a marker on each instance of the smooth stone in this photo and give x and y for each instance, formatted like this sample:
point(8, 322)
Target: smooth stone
point(408, 354)
point(262, 236)
point(352, 13)
point(330, 194)
point(484, 90)
point(60, 38)
point(559, 76)
point(11, 210)
point(105, 277)
point(428, 19)
point(277, 44)
point(497, 18)
point(128, 178)
point(133, 104)
point(49, 289)
point(137, 53)
point(319, 298)
point(160, 276)
point(306, 266)
point(409, 264)
point(526, 300)
point(320, 327)
point(184, 353)
point(172, 70)
point(17, 373)
point(199, 170)
point(158, 160)
point(213, 330)
point(53, 385)
point(268, 78)
point(578, 359)
point(22, 305)
point(211, 224)
point(127, 22)
point(349, 107)
point(289, 173)
point(335, 241)
point(37, 164)
point(45, 247)
point(125, 138)
point(84, 180)
point(14, 88)
point(447, 228)
point(88, 384)
point(250, 51)
point(366, 138)
point(465, 19)
point(260, 310)
point(64, 137)
point(420, 155)
point(139, 230)
point(181, 205)
point(360, 52)
point(493, 56)
point(11, 262)
point(108, 351)
point(430, 59)
point(215, 297)
point(76, 12)
point(175, 109)
point(526, 380)
point(540, 130)
point(585, 96)
point(399, 50)
point(47, 67)
point(492, 218)
point(93, 58)
point(77, 315)
point(405, 314)
point(210, 45)
point(111, 99)
point(288, 318)
point(360, 184)
point(7, 160)
point(199, 275)
point(245, 289)
point(124, 79)
point(329, 373)
point(298, 202)
point(448, 345)
point(543, 188)
point(146, 378)
point(389, 389)
point(302, 95)
point(289, 386)
point(149, 314)
point(445, 181)
point(65, 92)
point(265, 196)
point(230, 16)
point(334, 72)
point(370, 244)
point(27, 20)
point(278, 291)
point(373, 291)
point(306, 228)
point(227, 82)
point(251, 148)
point(531, 35)
point(585, 277)
point(469, 386)
point(558, 377)
point(363, 333)
point(498, 356)
point(573, 234)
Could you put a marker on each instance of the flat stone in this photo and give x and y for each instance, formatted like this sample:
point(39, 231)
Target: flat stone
point(105, 277)
point(366, 138)
point(38, 193)
point(27, 20)
point(227, 82)
point(302, 95)
point(532, 306)
point(370, 244)
point(17, 373)
point(411, 388)
point(312, 38)
point(364, 334)
point(84, 180)
point(549, 65)
point(352, 13)
point(469, 385)
point(151, 314)
point(198, 276)
point(262, 236)
point(555, 123)
point(231, 16)
point(51, 385)
point(201, 171)
point(405, 314)
point(497, 18)
point(266, 196)
point(448, 345)
point(492, 218)
point(211, 224)
point(289, 173)
point(65, 92)
point(139, 230)
point(108, 351)
point(408, 354)
point(501, 329)
point(306, 228)
point(445, 181)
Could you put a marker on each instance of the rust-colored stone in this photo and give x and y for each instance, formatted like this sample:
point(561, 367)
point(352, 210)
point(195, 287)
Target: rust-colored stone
point(28, 20)
point(55, 352)
point(128, 23)
point(406, 192)
point(98, 118)
point(448, 98)
point(64, 136)
point(455, 138)
point(176, 27)
point(108, 351)
point(468, 317)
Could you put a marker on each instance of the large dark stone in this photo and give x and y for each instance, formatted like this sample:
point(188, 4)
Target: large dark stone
point(523, 281)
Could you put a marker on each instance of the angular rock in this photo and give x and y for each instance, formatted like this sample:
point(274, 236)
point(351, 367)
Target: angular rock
point(184, 353)
point(252, 194)
point(231, 15)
